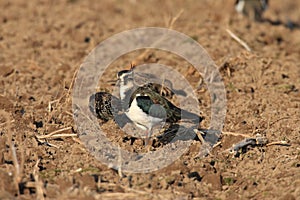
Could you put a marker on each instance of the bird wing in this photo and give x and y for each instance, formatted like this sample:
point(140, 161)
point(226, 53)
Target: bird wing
point(150, 108)
point(172, 112)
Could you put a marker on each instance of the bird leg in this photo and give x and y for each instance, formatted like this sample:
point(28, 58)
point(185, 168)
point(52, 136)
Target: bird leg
point(148, 134)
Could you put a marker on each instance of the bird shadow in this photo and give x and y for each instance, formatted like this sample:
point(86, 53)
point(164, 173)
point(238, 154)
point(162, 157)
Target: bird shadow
point(288, 24)
point(178, 132)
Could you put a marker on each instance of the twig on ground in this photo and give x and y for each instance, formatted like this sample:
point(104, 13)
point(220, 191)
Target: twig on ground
point(282, 142)
point(77, 170)
point(217, 144)
point(120, 163)
point(46, 143)
point(240, 41)
point(235, 134)
point(72, 83)
point(54, 133)
point(257, 141)
point(69, 113)
point(18, 167)
point(199, 135)
point(57, 136)
point(77, 140)
point(50, 104)
point(174, 19)
point(38, 183)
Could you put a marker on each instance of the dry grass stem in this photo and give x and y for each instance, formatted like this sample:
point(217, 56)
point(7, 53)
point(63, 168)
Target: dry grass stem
point(235, 134)
point(52, 145)
point(120, 163)
point(50, 104)
point(57, 136)
point(199, 135)
point(38, 183)
point(69, 113)
point(284, 143)
point(217, 144)
point(77, 140)
point(240, 41)
point(174, 19)
point(55, 132)
point(77, 170)
point(18, 169)
point(47, 143)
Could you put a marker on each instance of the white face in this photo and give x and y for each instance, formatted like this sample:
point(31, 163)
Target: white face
point(125, 75)
point(126, 82)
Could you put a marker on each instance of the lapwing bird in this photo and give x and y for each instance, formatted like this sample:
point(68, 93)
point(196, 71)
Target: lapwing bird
point(104, 105)
point(147, 108)
point(251, 8)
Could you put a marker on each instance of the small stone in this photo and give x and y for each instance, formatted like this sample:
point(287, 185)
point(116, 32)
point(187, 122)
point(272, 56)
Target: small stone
point(170, 180)
point(38, 124)
point(194, 176)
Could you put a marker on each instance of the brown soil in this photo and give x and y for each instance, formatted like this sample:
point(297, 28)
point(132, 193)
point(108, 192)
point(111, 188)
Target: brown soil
point(43, 43)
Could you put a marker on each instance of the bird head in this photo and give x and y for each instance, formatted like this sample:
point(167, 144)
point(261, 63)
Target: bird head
point(124, 75)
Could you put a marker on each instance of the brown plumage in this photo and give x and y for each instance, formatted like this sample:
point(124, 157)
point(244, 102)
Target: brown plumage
point(104, 105)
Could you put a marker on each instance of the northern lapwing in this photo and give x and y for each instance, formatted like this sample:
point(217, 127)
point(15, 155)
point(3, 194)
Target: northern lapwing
point(251, 8)
point(147, 108)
